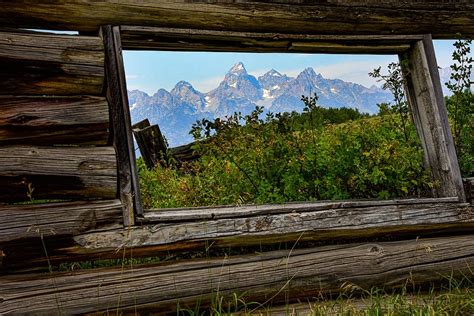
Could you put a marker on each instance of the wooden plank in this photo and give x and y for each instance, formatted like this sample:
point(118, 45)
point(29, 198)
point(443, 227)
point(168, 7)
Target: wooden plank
point(141, 125)
point(330, 223)
point(175, 39)
point(152, 145)
point(277, 276)
point(320, 225)
point(178, 215)
point(54, 120)
point(57, 172)
point(431, 119)
point(129, 191)
point(444, 19)
point(37, 64)
point(19, 222)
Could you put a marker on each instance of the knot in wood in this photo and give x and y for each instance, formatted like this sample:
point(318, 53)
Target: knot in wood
point(375, 249)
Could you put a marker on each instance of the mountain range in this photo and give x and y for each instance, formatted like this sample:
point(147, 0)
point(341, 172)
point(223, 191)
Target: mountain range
point(175, 111)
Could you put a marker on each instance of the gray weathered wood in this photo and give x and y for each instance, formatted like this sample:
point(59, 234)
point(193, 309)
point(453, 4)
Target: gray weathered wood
point(163, 215)
point(431, 119)
point(441, 18)
point(175, 39)
point(129, 191)
point(268, 227)
point(38, 64)
point(54, 120)
point(57, 172)
point(57, 219)
point(151, 143)
point(277, 276)
point(263, 225)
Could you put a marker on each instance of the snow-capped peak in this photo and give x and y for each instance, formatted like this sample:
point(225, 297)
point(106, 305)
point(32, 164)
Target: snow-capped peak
point(238, 68)
point(274, 73)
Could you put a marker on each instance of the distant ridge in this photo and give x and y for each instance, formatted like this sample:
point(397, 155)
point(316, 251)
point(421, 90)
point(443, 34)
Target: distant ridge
point(175, 111)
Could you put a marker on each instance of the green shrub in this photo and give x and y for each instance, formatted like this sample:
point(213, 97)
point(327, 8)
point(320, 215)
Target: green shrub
point(292, 157)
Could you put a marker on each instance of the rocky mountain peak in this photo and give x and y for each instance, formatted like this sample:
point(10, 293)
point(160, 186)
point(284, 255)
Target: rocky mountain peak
point(309, 73)
point(238, 69)
point(273, 73)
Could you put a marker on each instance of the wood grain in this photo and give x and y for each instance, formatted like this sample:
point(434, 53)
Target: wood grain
point(19, 222)
point(263, 225)
point(116, 92)
point(441, 18)
point(37, 64)
point(276, 276)
point(151, 143)
point(269, 227)
point(174, 39)
point(431, 119)
point(54, 120)
point(57, 172)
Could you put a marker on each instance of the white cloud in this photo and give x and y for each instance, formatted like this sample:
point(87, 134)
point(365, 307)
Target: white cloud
point(356, 72)
point(132, 77)
point(207, 84)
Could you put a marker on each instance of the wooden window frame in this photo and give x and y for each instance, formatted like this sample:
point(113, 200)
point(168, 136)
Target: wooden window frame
point(423, 89)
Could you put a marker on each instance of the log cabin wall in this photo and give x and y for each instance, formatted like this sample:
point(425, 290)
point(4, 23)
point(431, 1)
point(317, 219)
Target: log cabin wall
point(64, 143)
point(58, 174)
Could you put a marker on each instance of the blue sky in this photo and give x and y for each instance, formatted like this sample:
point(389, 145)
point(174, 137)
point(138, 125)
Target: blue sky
point(150, 71)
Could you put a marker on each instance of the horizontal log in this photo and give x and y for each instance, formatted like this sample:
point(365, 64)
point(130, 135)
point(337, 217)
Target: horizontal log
point(444, 19)
point(57, 172)
point(37, 64)
point(54, 120)
point(19, 222)
point(259, 227)
point(162, 215)
point(329, 223)
point(275, 276)
point(174, 39)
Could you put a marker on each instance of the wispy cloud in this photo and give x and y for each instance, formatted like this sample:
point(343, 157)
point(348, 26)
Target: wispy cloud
point(132, 77)
point(356, 71)
point(207, 84)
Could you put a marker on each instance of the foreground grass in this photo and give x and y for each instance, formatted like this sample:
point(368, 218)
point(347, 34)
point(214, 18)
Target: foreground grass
point(453, 297)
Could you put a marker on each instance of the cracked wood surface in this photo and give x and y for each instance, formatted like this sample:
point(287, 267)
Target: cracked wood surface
point(38, 64)
point(279, 276)
point(54, 120)
point(444, 19)
point(57, 173)
point(264, 225)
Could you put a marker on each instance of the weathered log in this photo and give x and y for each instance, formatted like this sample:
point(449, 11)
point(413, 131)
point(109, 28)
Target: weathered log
point(116, 92)
point(151, 143)
point(444, 19)
point(173, 39)
point(40, 64)
point(250, 226)
point(184, 153)
point(54, 120)
point(429, 114)
point(328, 223)
point(19, 222)
point(57, 172)
point(276, 276)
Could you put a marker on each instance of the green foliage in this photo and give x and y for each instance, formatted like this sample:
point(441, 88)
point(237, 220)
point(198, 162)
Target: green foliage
point(394, 82)
point(461, 106)
point(317, 155)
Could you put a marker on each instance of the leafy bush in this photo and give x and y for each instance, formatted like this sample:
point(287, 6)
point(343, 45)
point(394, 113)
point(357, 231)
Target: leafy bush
point(460, 106)
point(292, 157)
